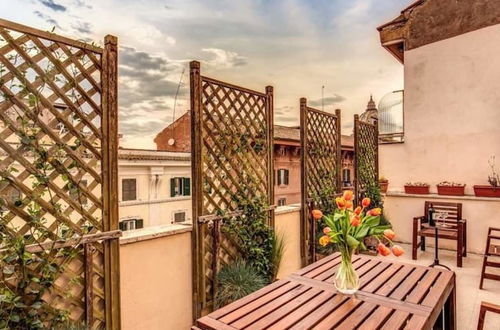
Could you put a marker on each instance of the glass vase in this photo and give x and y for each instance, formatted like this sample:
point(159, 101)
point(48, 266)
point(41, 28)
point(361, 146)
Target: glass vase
point(346, 280)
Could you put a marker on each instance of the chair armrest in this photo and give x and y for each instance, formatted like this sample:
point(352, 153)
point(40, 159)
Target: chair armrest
point(490, 307)
point(419, 218)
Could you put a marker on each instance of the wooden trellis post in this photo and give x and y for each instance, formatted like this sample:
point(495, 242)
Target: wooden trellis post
point(365, 155)
point(320, 137)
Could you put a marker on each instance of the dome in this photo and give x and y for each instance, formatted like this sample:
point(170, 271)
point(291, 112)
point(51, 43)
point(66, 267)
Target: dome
point(370, 114)
point(390, 117)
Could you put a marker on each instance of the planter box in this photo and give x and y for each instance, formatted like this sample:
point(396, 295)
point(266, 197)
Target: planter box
point(451, 190)
point(384, 186)
point(419, 190)
point(486, 191)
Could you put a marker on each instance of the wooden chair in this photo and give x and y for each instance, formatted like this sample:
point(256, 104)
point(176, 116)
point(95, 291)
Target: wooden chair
point(486, 307)
point(492, 250)
point(456, 231)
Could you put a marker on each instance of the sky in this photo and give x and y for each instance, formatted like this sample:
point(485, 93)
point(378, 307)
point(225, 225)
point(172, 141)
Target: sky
point(297, 46)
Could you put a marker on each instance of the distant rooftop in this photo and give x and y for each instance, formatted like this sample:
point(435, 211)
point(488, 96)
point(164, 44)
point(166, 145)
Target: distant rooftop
point(144, 154)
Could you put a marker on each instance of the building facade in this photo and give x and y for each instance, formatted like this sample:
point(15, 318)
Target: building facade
point(451, 116)
point(177, 137)
point(154, 188)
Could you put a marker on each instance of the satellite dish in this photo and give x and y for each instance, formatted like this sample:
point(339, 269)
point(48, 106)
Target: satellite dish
point(171, 142)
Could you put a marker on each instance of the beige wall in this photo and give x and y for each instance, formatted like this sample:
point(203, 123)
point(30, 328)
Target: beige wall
point(155, 272)
point(452, 122)
point(451, 113)
point(155, 277)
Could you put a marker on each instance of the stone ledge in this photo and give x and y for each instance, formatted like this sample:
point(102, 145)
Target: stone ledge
point(144, 234)
point(436, 196)
point(287, 209)
point(155, 201)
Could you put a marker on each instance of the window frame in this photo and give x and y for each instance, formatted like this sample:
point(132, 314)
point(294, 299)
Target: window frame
point(285, 180)
point(123, 189)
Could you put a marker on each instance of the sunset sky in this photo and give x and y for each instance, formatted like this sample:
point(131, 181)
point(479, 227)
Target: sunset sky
point(297, 46)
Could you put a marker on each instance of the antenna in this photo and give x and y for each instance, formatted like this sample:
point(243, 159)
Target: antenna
point(177, 93)
point(323, 98)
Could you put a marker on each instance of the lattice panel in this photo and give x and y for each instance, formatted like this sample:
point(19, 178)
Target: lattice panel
point(321, 163)
point(232, 155)
point(366, 155)
point(50, 154)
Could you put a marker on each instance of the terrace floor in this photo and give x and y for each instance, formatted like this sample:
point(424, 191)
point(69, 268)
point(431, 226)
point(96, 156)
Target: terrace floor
point(469, 296)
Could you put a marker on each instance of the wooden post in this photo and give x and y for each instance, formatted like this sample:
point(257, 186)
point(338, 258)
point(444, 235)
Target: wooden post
point(376, 151)
point(196, 174)
point(356, 171)
point(88, 251)
point(338, 130)
point(304, 225)
point(270, 137)
point(109, 149)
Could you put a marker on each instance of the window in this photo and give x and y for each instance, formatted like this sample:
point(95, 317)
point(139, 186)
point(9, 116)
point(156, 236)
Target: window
point(282, 202)
point(179, 216)
point(282, 177)
point(346, 176)
point(180, 187)
point(129, 189)
point(131, 224)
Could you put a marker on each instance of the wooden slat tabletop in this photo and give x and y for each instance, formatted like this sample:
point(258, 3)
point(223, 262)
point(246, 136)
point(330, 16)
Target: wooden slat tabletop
point(392, 295)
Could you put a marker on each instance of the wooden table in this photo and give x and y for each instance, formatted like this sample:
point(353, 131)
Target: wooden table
point(393, 295)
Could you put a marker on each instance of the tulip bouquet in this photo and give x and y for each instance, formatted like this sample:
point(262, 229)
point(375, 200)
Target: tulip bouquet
point(346, 229)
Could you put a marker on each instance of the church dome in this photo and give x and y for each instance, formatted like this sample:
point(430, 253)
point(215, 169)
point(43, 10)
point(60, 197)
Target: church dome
point(370, 115)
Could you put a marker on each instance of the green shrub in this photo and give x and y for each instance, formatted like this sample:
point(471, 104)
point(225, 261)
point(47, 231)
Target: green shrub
point(278, 249)
point(236, 281)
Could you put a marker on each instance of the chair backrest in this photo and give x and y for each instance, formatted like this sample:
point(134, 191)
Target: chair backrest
point(453, 211)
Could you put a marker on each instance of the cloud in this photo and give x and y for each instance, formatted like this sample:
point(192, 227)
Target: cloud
point(224, 58)
point(47, 19)
point(147, 86)
point(286, 115)
point(330, 100)
point(82, 27)
point(53, 5)
point(81, 3)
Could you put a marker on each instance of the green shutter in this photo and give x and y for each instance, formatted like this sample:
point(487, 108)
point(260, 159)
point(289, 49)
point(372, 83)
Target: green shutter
point(186, 183)
point(286, 177)
point(139, 223)
point(172, 187)
point(121, 225)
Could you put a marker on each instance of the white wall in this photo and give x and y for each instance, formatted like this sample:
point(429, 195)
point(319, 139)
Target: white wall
point(452, 112)
point(452, 127)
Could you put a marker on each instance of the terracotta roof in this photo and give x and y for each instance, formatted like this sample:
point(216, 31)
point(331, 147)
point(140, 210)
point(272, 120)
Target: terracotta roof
point(143, 154)
point(286, 133)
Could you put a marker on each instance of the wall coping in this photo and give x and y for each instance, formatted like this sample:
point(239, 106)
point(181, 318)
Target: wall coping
point(287, 209)
point(154, 201)
point(436, 196)
point(148, 233)
point(144, 234)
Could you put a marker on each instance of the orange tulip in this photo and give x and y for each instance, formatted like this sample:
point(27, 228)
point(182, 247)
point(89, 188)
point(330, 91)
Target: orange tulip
point(383, 250)
point(366, 202)
point(397, 250)
point(355, 221)
point(348, 205)
point(317, 214)
point(389, 234)
point(324, 240)
point(340, 202)
point(357, 210)
point(348, 195)
point(374, 212)
point(326, 230)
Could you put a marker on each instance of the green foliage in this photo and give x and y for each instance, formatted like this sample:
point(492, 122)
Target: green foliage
point(236, 281)
point(278, 244)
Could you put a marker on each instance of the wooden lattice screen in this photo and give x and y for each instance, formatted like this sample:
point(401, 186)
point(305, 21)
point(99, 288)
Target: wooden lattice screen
point(58, 154)
point(320, 138)
point(365, 155)
point(232, 153)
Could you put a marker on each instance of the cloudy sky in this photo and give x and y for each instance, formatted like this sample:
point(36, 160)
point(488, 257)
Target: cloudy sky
point(297, 46)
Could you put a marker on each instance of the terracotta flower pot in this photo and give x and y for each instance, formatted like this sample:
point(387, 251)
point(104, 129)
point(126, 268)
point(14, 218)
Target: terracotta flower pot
point(486, 191)
point(418, 190)
point(384, 185)
point(451, 190)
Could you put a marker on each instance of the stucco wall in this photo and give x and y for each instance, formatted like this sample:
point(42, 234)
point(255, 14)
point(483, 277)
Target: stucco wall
point(155, 272)
point(452, 122)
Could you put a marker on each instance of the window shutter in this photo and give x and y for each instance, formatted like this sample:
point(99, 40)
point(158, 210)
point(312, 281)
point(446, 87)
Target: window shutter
point(139, 223)
point(121, 225)
point(286, 177)
point(186, 183)
point(172, 187)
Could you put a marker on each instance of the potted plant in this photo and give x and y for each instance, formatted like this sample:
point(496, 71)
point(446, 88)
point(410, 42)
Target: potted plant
point(346, 229)
point(419, 188)
point(384, 184)
point(493, 189)
point(451, 188)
